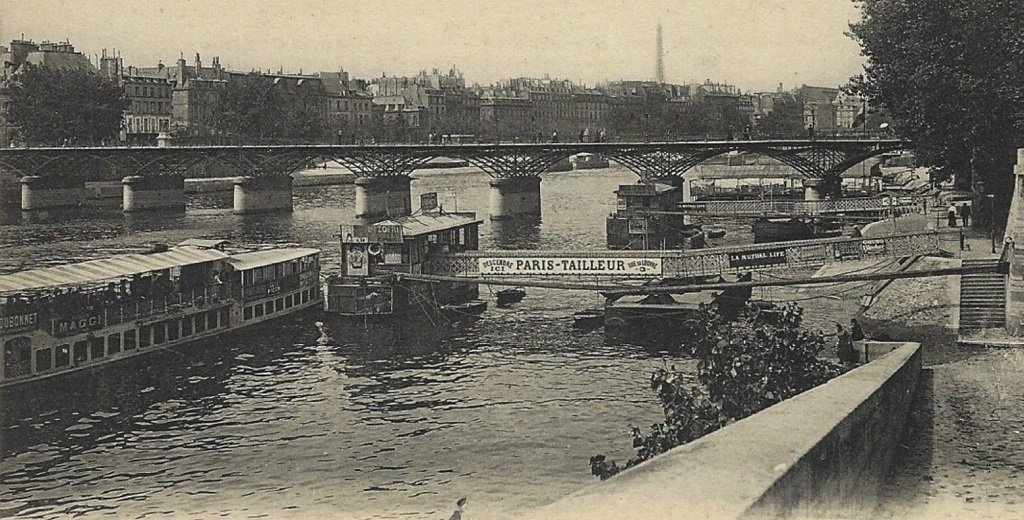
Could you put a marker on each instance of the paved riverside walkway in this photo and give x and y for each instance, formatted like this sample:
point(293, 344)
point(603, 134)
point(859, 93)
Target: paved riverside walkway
point(964, 446)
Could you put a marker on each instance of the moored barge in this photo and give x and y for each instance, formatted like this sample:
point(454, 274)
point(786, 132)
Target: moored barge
point(63, 319)
point(373, 256)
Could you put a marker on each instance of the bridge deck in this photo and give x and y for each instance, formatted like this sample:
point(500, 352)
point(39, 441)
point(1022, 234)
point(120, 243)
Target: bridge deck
point(692, 263)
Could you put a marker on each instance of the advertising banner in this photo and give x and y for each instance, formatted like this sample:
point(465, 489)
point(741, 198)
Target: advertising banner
point(570, 266)
point(428, 201)
point(758, 258)
point(70, 325)
point(386, 233)
point(373, 234)
point(874, 246)
point(18, 322)
point(356, 262)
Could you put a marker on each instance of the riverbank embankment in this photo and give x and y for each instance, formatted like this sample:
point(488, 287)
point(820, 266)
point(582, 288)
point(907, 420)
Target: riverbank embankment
point(821, 454)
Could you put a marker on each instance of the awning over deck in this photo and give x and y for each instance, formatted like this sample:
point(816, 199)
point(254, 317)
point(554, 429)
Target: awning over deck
point(106, 269)
point(254, 259)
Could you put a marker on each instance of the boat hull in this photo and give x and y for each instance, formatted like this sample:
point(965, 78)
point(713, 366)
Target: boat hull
point(105, 340)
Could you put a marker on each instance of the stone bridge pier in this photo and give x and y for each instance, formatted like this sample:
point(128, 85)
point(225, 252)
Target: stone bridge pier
point(52, 192)
point(513, 197)
point(153, 193)
point(382, 197)
point(262, 194)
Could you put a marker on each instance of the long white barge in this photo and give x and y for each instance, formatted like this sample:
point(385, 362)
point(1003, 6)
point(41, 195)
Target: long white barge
point(73, 317)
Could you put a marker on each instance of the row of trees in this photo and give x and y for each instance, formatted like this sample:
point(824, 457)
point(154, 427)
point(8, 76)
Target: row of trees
point(254, 108)
point(55, 107)
point(951, 74)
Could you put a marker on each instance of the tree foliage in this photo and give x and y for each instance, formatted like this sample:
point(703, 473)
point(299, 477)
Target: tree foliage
point(951, 73)
point(786, 120)
point(744, 366)
point(253, 107)
point(52, 107)
point(658, 119)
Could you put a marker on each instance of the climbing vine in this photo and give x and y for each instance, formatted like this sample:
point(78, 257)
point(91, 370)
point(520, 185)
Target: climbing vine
point(744, 365)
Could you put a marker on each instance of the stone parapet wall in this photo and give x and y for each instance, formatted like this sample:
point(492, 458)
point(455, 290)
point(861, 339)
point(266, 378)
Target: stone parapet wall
point(822, 454)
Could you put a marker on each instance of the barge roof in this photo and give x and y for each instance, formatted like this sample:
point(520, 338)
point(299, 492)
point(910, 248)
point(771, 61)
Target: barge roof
point(255, 259)
point(107, 268)
point(422, 224)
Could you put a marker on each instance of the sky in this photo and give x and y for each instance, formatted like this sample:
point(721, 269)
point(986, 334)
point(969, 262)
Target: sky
point(754, 44)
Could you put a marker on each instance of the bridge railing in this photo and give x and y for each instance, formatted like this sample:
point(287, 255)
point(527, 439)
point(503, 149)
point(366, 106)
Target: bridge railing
point(698, 262)
point(900, 205)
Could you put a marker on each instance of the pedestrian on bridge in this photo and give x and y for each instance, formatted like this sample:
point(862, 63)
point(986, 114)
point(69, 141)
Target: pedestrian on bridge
point(951, 215)
point(965, 214)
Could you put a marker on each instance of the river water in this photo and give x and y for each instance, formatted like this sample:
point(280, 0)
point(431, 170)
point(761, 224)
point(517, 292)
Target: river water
point(294, 420)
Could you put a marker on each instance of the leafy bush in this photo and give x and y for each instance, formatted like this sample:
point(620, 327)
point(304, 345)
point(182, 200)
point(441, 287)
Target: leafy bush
point(744, 366)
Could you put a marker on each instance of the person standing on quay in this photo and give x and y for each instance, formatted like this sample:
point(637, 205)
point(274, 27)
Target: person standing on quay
point(844, 346)
point(965, 214)
point(857, 337)
point(951, 215)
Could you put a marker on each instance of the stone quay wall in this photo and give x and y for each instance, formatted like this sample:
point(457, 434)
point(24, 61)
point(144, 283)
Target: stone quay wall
point(822, 454)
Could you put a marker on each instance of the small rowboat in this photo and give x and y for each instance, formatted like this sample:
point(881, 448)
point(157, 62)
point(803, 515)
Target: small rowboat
point(470, 309)
point(507, 297)
point(716, 233)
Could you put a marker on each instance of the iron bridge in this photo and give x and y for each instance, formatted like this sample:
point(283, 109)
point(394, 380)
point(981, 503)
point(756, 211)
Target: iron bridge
point(821, 158)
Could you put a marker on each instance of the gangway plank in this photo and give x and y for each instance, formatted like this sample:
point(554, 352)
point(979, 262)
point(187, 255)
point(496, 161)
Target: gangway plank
point(683, 264)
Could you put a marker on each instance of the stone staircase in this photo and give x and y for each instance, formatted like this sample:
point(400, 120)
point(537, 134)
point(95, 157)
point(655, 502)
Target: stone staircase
point(982, 298)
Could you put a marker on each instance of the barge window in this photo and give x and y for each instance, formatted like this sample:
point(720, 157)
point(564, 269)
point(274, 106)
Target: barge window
point(96, 346)
point(173, 329)
point(145, 336)
point(159, 333)
point(186, 326)
point(247, 313)
point(129, 340)
point(81, 351)
point(113, 343)
point(63, 356)
point(225, 317)
point(43, 360)
point(279, 306)
point(288, 301)
point(259, 310)
point(200, 323)
point(17, 357)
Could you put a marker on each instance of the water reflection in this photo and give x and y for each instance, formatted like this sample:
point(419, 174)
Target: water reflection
point(291, 419)
point(39, 412)
point(522, 232)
